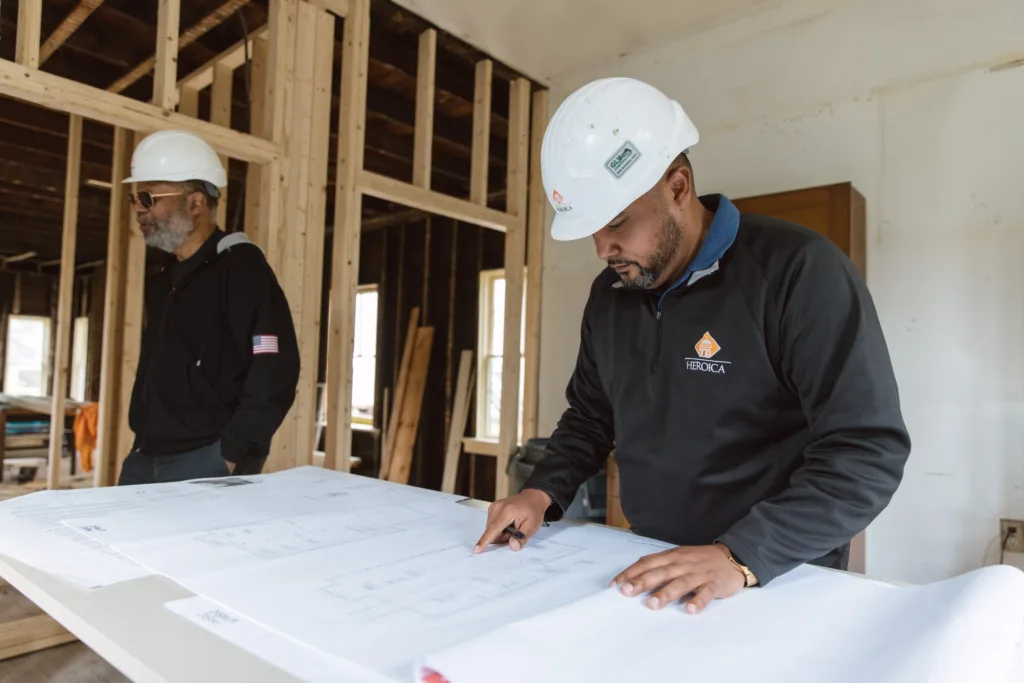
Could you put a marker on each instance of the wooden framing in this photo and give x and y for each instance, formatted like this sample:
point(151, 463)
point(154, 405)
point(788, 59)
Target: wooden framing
point(54, 92)
point(515, 256)
point(424, 136)
point(414, 197)
point(165, 68)
point(536, 221)
point(31, 634)
point(220, 114)
point(232, 58)
point(354, 181)
point(253, 181)
point(70, 24)
point(188, 102)
point(481, 153)
point(292, 60)
point(108, 424)
point(61, 361)
point(338, 7)
point(313, 262)
point(348, 201)
point(26, 46)
point(164, 47)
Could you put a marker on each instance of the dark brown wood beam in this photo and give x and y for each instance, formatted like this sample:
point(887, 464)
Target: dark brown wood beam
point(67, 27)
point(454, 77)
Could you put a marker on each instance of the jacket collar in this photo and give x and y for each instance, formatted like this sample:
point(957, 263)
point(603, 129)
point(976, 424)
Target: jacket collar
point(182, 271)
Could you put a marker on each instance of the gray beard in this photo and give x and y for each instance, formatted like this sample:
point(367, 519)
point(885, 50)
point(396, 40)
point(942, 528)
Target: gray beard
point(669, 238)
point(168, 235)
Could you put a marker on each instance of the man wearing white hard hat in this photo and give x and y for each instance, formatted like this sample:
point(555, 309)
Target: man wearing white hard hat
point(219, 361)
point(734, 363)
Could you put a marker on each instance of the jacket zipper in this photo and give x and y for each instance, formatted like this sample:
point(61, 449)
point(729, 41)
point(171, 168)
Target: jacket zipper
point(149, 368)
point(656, 359)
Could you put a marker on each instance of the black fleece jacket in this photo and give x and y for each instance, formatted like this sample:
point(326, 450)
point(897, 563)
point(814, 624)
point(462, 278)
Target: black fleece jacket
point(219, 357)
point(752, 403)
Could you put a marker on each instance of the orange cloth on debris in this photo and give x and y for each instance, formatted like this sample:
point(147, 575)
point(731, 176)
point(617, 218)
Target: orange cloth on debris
point(85, 427)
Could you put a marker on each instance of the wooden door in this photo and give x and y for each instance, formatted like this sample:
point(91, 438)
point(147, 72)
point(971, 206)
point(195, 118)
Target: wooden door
point(836, 211)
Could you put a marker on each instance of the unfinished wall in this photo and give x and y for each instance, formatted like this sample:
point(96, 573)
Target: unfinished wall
point(903, 102)
point(435, 268)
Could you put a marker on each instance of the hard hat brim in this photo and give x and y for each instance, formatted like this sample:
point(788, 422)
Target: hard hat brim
point(217, 182)
point(566, 227)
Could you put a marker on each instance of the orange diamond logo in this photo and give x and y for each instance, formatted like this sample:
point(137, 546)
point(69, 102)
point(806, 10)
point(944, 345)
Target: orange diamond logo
point(707, 346)
point(557, 197)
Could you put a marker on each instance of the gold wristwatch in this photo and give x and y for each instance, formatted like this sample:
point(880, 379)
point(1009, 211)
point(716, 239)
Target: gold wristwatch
point(749, 578)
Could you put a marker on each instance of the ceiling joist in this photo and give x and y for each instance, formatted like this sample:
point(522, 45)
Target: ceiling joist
point(67, 27)
point(188, 37)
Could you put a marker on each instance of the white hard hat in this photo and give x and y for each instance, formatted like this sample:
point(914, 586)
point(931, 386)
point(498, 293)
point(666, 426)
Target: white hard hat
point(607, 145)
point(176, 156)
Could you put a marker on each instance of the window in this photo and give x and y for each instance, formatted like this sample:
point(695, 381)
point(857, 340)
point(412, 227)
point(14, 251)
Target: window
point(364, 356)
point(27, 365)
point(492, 335)
point(79, 358)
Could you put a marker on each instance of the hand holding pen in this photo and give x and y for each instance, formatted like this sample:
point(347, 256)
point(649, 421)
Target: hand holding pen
point(514, 520)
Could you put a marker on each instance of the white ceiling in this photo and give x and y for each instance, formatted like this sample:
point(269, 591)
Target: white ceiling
point(544, 39)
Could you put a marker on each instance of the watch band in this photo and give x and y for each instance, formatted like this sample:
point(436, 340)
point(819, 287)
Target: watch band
point(749, 579)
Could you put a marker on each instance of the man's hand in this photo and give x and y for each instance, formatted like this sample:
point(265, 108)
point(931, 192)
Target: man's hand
point(525, 511)
point(703, 570)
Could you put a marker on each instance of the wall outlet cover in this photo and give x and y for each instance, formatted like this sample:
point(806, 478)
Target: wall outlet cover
point(1011, 534)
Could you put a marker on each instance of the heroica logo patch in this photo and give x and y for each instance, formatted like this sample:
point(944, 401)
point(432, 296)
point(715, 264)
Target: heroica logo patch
point(707, 348)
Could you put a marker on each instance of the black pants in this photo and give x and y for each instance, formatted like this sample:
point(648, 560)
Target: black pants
point(202, 463)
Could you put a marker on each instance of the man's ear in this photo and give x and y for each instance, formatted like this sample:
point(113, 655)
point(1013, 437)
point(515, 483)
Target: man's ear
point(196, 202)
point(680, 184)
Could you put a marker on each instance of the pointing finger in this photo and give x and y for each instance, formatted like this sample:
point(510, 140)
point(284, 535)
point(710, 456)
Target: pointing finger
point(495, 529)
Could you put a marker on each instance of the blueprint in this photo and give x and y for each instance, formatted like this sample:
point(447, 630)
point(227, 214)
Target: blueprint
point(378, 576)
point(301, 661)
point(32, 532)
point(807, 626)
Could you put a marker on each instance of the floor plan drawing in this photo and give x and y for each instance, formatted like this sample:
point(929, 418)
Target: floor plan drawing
point(290, 536)
point(428, 586)
point(331, 554)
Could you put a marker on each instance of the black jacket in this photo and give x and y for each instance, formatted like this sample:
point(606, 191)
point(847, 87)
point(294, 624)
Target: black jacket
point(752, 403)
point(199, 379)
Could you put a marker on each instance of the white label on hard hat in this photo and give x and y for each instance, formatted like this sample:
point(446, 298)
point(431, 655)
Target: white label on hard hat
point(623, 159)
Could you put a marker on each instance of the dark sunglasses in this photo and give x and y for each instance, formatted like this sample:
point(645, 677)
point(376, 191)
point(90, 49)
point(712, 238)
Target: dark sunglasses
point(148, 199)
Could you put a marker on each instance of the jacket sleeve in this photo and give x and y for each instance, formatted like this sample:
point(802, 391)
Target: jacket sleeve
point(834, 357)
point(259, 308)
point(584, 437)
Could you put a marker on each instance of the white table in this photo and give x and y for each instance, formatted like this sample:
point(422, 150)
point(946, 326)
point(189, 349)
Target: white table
point(128, 625)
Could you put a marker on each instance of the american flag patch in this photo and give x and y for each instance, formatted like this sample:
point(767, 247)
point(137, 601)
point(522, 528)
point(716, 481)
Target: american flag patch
point(264, 343)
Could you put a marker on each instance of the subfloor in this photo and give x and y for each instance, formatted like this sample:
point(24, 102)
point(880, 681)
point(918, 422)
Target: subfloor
point(71, 663)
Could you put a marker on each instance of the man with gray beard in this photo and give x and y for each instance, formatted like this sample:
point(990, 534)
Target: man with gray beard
point(219, 361)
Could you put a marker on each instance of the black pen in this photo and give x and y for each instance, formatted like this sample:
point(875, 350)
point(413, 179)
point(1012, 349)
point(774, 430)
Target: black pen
point(514, 533)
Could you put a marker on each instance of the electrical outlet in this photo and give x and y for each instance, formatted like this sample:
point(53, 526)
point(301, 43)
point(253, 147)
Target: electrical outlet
point(1011, 534)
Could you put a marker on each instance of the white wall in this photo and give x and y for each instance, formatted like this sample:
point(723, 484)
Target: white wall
point(905, 104)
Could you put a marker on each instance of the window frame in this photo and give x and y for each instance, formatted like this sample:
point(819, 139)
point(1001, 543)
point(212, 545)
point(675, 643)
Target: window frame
point(359, 422)
point(46, 362)
point(485, 327)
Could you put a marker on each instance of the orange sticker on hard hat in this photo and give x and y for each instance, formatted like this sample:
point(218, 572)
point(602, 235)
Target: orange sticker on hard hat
point(558, 201)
